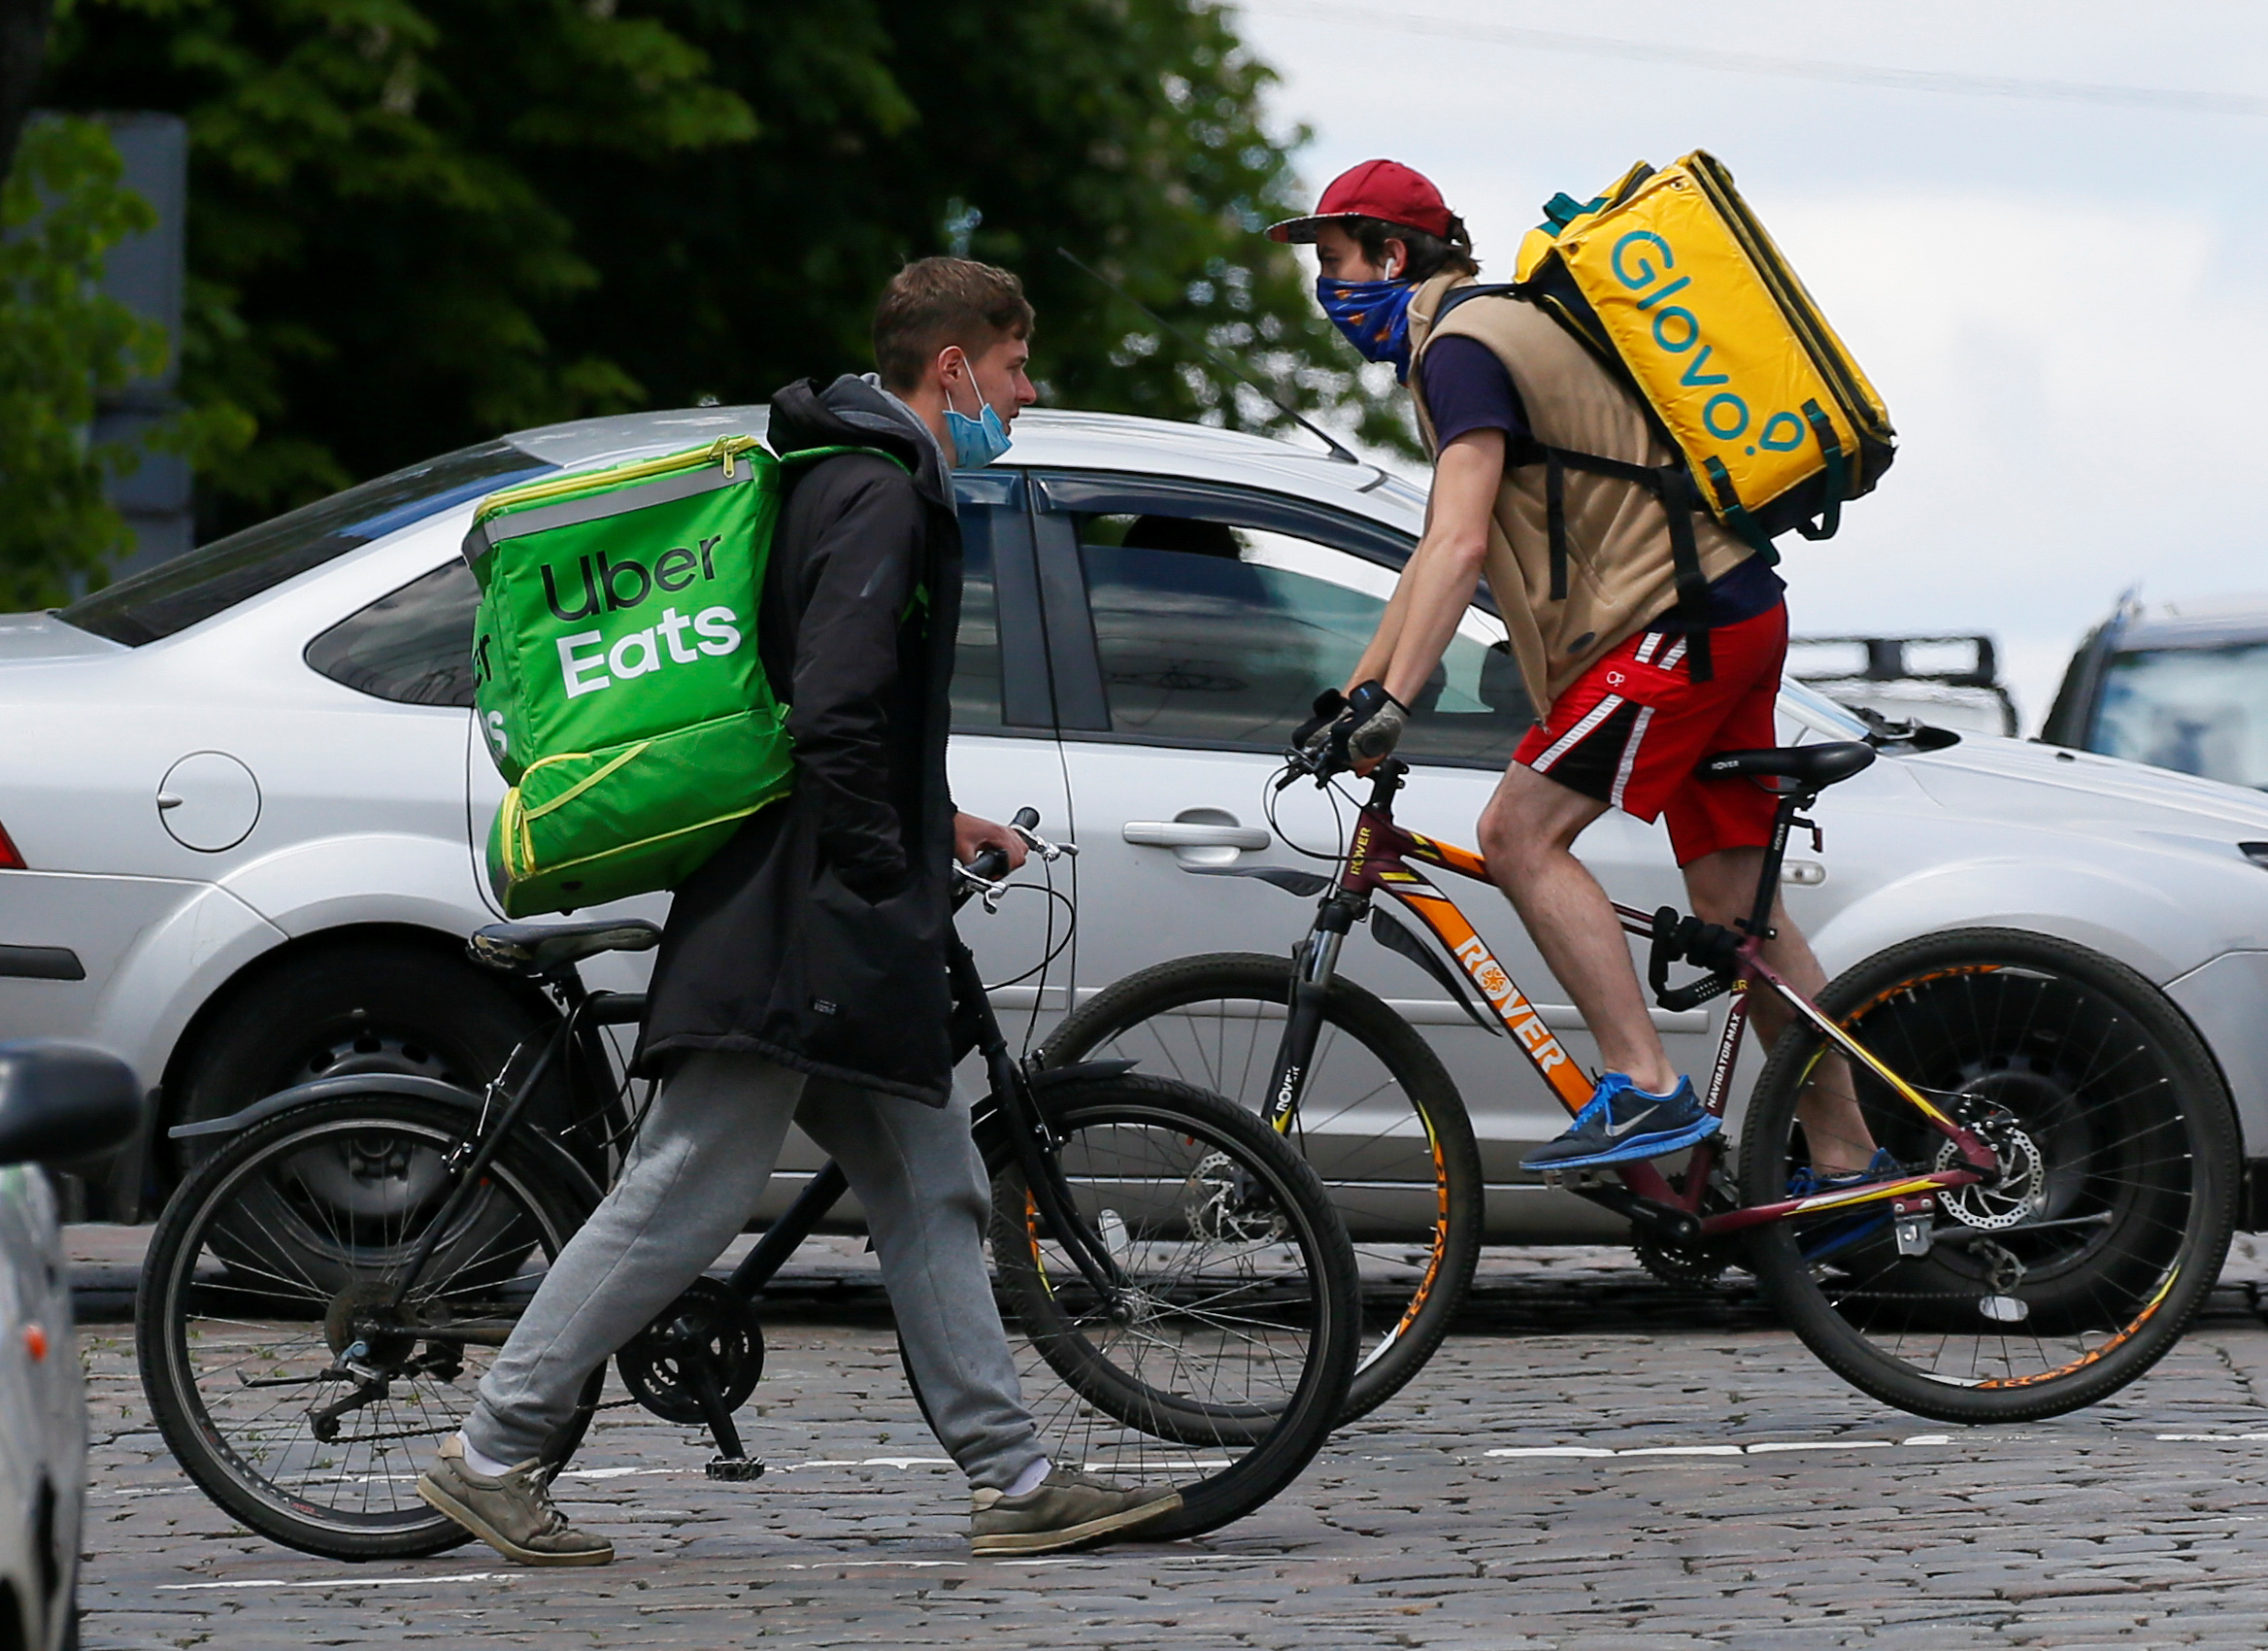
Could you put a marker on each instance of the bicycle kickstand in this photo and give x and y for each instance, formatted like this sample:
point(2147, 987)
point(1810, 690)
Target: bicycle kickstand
point(732, 1462)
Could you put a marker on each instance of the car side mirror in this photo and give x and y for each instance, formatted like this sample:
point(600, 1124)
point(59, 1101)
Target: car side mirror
point(58, 1100)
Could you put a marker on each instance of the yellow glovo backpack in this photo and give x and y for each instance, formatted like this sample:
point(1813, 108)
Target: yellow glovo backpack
point(1671, 280)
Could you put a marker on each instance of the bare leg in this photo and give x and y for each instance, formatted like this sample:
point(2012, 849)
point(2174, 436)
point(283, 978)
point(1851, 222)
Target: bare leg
point(1527, 832)
point(1724, 886)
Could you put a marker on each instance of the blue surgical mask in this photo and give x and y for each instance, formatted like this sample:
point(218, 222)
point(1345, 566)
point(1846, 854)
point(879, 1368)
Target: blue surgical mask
point(1374, 314)
point(976, 442)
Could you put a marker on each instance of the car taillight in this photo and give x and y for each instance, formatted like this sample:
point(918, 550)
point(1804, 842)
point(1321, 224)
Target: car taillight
point(9, 859)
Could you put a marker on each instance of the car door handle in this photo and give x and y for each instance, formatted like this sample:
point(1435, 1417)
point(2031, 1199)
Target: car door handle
point(1194, 834)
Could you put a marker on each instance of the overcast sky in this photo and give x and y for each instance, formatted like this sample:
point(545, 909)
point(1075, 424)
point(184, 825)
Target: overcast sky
point(2038, 225)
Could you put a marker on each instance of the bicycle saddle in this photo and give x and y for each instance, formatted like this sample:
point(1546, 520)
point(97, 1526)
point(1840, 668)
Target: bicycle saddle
point(538, 948)
point(1813, 767)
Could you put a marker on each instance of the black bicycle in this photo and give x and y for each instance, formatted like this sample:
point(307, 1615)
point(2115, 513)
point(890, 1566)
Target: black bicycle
point(325, 1289)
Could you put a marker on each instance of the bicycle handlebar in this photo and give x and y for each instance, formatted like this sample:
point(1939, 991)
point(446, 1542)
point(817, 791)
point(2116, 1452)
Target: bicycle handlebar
point(991, 865)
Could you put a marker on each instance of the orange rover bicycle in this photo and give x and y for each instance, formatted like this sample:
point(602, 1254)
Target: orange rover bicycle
point(2054, 1154)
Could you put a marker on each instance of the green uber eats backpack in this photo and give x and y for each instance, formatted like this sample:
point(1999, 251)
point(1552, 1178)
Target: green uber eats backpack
point(616, 673)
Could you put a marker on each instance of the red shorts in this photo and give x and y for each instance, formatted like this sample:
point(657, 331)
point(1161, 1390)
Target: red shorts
point(1633, 727)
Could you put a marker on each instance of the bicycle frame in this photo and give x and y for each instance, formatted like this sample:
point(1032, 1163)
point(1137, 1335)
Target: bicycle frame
point(1383, 857)
point(1008, 1109)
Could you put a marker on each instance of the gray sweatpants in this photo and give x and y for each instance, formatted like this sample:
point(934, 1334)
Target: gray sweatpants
point(693, 1177)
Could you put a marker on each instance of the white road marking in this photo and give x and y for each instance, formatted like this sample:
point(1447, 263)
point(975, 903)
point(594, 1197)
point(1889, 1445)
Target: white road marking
point(619, 1472)
point(2211, 1439)
point(1766, 1448)
point(348, 1582)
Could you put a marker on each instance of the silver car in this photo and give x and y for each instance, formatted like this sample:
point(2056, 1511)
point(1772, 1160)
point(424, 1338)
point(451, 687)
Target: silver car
point(55, 1103)
point(2183, 686)
point(248, 803)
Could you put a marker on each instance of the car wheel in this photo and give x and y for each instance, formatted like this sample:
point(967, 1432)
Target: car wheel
point(383, 1007)
point(355, 1010)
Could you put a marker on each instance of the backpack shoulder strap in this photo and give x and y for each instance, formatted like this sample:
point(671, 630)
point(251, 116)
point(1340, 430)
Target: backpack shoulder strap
point(1458, 295)
point(811, 455)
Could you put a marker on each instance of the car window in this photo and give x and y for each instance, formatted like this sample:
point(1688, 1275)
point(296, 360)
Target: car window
point(1216, 634)
point(975, 671)
point(412, 646)
point(2195, 710)
point(175, 594)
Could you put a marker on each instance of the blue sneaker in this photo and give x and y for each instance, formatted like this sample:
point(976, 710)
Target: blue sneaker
point(1821, 1242)
point(1623, 1123)
point(1806, 1181)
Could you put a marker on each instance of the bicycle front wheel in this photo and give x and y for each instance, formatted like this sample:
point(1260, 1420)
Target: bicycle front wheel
point(1220, 1363)
point(1380, 1120)
point(2073, 1271)
point(284, 1375)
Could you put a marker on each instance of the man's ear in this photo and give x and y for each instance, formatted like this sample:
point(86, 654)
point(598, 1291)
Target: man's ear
point(1397, 259)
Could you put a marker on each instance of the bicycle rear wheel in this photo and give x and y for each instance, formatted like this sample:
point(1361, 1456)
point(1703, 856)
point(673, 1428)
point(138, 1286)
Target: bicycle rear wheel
point(1380, 1120)
point(1223, 1363)
point(281, 1374)
point(2079, 1267)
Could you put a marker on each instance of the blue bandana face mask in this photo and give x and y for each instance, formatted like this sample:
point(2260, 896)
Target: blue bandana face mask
point(976, 442)
point(1374, 314)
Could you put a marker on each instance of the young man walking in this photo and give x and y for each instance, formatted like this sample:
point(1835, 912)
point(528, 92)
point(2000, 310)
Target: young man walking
point(1603, 647)
point(802, 974)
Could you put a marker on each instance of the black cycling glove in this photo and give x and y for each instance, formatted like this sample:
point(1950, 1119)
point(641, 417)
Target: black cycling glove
point(1373, 723)
point(1328, 704)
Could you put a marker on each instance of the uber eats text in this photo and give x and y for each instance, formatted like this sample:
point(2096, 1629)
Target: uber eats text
point(598, 583)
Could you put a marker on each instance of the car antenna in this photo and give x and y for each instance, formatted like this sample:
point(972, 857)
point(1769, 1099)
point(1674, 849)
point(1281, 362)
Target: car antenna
point(1339, 449)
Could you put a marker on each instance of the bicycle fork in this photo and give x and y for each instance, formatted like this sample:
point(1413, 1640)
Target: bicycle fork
point(1314, 964)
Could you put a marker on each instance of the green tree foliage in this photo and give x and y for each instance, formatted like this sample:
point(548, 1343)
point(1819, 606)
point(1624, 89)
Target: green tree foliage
point(1127, 131)
point(375, 271)
point(63, 345)
point(413, 225)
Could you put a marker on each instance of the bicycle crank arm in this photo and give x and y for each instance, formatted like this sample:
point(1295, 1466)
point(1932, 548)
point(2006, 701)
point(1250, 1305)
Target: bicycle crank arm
point(1854, 1198)
point(1680, 1228)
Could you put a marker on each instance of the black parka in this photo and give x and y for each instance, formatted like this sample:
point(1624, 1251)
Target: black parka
point(816, 935)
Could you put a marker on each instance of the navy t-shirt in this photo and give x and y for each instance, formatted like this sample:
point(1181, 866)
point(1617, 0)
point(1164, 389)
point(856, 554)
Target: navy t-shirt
point(1467, 388)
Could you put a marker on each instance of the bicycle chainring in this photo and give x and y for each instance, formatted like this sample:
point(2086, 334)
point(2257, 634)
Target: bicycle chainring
point(709, 1322)
point(1701, 1267)
point(1696, 1267)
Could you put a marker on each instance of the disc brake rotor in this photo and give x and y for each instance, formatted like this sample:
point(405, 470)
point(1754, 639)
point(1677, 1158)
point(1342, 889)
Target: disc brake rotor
point(1215, 1203)
point(1990, 1205)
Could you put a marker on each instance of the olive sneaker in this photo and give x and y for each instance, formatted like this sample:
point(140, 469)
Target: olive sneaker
point(511, 1512)
point(1064, 1510)
point(1623, 1123)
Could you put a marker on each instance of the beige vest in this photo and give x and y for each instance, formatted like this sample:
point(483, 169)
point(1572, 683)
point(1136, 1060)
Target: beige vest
point(1619, 573)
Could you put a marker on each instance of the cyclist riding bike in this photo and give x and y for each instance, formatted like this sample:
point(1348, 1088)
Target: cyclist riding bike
point(803, 973)
point(1633, 689)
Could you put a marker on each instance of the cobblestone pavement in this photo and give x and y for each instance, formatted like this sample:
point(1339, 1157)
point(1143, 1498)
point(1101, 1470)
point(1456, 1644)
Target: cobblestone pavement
point(1597, 1465)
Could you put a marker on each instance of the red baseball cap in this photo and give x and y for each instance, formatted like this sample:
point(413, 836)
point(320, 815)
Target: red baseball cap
point(1377, 188)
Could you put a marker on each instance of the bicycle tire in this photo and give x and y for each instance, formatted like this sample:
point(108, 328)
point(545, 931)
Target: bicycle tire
point(1364, 1051)
point(2122, 1146)
point(196, 1302)
point(1234, 1253)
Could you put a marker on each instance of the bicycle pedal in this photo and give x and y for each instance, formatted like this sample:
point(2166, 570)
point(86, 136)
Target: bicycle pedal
point(735, 1470)
point(1577, 1180)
